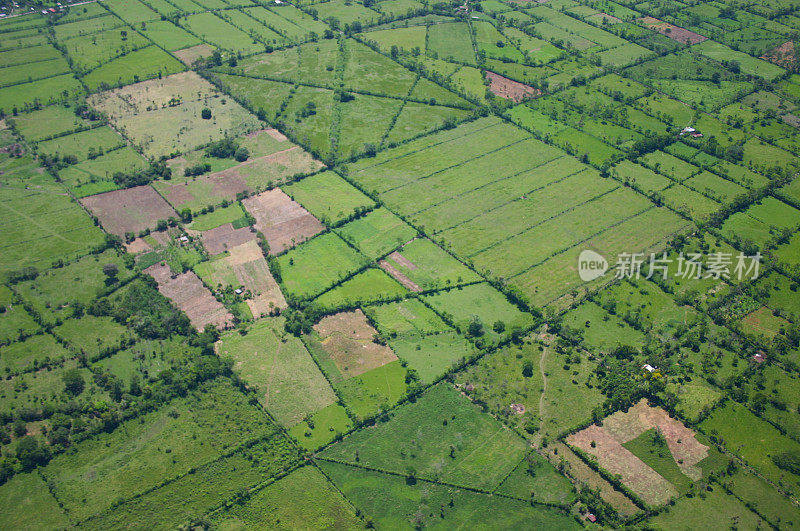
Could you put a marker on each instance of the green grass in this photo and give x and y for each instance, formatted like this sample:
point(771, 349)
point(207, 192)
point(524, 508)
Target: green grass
point(45, 91)
point(220, 216)
point(98, 140)
point(378, 233)
point(713, 509)
point(162, 445)
point(216, 31)
point(431, 355)
point(328, 423)
point(169, 36)
point(443, 436)
point(14, 318)
point(602, 331)
point(393, 503)
point(658, 457)
point(279, 369)
point(31, 353)
point(52, 293)
point(451, 42)
point(286, 503)
point(483, 301)
point(92, 336)
point(25, 503)
point(765, 499)
point(144, 63)
point(537, 479)
point(315, 265)
point(432, 268)
point(407, 316)
point(367, 394)
point(328, 197)
point(369, 286)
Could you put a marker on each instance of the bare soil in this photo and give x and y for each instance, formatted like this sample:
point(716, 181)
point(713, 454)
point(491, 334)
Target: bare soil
point(347, 338)
point(225, 237)
point(190, 295)
point(283, 222)
point(675, 33)
point(131, 210)
point(783, 56)
point(510, 89)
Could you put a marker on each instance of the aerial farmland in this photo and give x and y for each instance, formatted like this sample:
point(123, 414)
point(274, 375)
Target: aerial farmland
point(399, 264)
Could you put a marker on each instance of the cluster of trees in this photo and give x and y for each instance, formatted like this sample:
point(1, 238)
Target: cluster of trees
point(227, 148)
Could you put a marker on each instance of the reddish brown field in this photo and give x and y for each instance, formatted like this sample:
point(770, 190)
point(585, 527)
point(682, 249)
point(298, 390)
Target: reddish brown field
point(675, 33)
point(131, 210)
point(193, 53)
point(510, 89)
point(283, 222)
point(783, 56)
point(605, 443)
point(252, 271)
point(224, 237)
point(347, 338)
point(190, 295)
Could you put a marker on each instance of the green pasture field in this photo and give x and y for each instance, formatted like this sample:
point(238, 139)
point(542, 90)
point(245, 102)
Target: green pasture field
point(659, 458)
point(169, 36)
point(483, 451)
point(216, 31)
point(676, 169)
point(279, 369)
point(298, 18)
point(259, 94)
point(416, 119)
point(539, 51)
point(551, 280)
point(91, 51)
point(753, 439)
point(313, 131)
point(781, 293)
point(95, 176)
point(63, 229)
point(361, 122)
point(253, 27)
point(147, 358)
point(645, 303)
point(369, 286)
point(624, 55)
point(378, 233)
point(97, 140)
point(535, 244)
point(83, 12)
point(45, 388)
point(91, 335)
point(14, 320)
point(31, 353)
point(694, 398)
point(220, 216)
point(312, 63)
point(285, 503)
point(346, 12)
point(390, 500)
point(640, 177)
point(451, 42)
point(49, 121)
point(470, 82)
point(209, 487)
point(328, 197)
point(120, 470)
point(328, 423)
point(489, 42)
point(716, 508)
point(367, 394)
point(369, 71)
point(537, 479)
point(144, 63)
point(132, 11)
point(483, 301)
point(53, 293)
point(86, 27)
point(315, 265)
point(44, 91)
point(432, 267)
point(433, 354)
point(14, 75)
point(25, 502)
point(24, 40)
point(409, 316)
point(765, 499)
point(689, 202)
point(406, 39)
point(749, 65)
point(717, 188)
point(602, 331)
point(397, 8)
point(552, 33)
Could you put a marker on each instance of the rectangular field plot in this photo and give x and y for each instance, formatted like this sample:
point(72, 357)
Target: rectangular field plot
point(421, 265)
point(49, 121)
point(45, 91)
point(142, 112)
point(377, 233)
point(129, 211)
point(221, 34)
point(283, 374)
point(283, 222)
point(271, 160)
point(39, 228)
point(328, 197)
point(477, 439)
point(316, 265)
point(111, 467)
